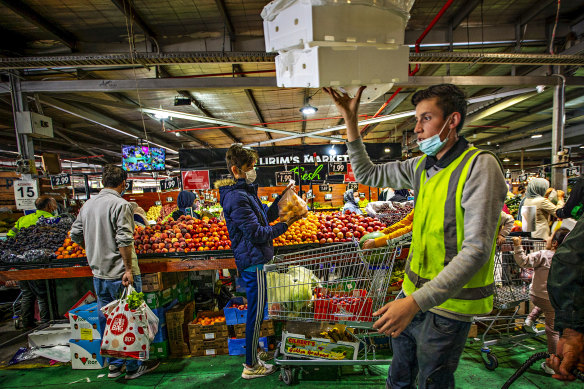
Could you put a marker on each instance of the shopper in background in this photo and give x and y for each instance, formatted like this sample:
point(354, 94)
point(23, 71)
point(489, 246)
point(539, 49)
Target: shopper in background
point(506, 226)
point(520, 192)
point(140, 216)
point(105, 228)
point(302, 195)
point(541, 262)
point(575, 205)
point(537, 190)
point(400, 196)
point(184, 200)
point(34, 290)
point(248, 222)
point(351, 200)
point(566, 292)
point(430, 319)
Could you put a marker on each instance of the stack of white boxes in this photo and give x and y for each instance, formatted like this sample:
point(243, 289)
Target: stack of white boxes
point(338, 43)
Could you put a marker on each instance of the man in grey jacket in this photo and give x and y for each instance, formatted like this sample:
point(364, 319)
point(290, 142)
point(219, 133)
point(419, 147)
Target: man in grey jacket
point(459, 194)
point(105, 228)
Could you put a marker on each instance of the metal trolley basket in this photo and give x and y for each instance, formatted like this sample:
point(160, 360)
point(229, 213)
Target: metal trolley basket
point(340, 286)
point(511, 289)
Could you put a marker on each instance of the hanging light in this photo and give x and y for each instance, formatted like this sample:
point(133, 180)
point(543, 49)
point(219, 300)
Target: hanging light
point(387, 150)
point(332, 151)
point(536, 136)
point(308, 109)
point(506, 159)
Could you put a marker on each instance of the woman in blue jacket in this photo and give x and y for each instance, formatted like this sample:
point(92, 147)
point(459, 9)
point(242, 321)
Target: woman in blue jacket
point(351, 200)
point(251, 237)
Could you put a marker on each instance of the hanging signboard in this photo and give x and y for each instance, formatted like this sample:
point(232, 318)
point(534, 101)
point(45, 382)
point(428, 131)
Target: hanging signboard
point(337, 168)
point(283, 178)
point(522, 177)
point(325, 188)
point(129, 186)
point(60, 180)
point(354, 186)
point(170, 184)
point(309, 195)
point(25, 194)
point(573, 171)
point(507, 175)
point(350, 177)
point(196, 180)
point(264, 198)
point(158, 203)
point(274, 195)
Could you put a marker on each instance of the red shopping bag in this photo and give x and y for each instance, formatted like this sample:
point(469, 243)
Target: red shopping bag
point(128, 332)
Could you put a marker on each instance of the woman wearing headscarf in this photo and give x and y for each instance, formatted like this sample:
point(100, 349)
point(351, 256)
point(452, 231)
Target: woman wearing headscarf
point(400, 195)
point(184, 200)
point(544, 208)
point(352, 202)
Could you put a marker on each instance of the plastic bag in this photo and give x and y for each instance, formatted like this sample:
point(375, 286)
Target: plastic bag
point(128, 332)
point(290, 205)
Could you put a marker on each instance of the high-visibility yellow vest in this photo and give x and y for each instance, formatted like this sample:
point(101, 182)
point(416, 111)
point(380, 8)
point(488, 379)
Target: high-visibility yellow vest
point(438, 233)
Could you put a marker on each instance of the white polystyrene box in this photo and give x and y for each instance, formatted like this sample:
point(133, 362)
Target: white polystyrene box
point(328, 66)
point(303, 23)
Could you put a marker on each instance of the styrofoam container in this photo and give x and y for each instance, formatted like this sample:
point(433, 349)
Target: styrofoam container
point(297, 24)
point(54, 335)
point(330, 66)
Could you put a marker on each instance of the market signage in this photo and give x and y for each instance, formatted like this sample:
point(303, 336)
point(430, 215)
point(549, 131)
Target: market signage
point(60, 180)
point(325, 188)
point(350, 176)
point(337, 168)
point(306, 175)
point(129, 186)
point(305, 159)
point(283, 178)
point(507, 175)
point(196, 180)
point(573, 171)
point(354, 186)
point(522, 177)
point(25, 194)
point(170, 184)
point(309, 195)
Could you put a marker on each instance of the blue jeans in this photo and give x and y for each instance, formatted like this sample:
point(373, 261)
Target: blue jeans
point(106, 292)
point(256, 291)
point(427, 350)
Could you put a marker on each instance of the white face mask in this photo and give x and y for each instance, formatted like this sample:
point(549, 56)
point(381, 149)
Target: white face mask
point(250, 176)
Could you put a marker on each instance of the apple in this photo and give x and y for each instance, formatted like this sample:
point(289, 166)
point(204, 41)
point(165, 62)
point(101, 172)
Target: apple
point(330, 240)
point(340, 235)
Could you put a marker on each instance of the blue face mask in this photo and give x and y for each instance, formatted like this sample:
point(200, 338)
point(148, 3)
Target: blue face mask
point(433, 144)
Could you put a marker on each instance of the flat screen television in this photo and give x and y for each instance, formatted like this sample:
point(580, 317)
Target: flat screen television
point(143, 158)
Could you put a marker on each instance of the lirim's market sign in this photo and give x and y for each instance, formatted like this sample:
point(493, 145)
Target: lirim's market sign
point(295, 160)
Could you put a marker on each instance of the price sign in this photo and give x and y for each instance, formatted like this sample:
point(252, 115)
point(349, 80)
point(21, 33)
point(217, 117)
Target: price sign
point(507, 175)
point(169, 199)
point(170, 184)
point(541, 173)
point(158, 203)
point(60, 180)
point(129, 186)
point(264, 198)
point(337, 168)
point(325, 188)
point(309, 195)
point(328, 196)
point(283, 178)
point(573, 171)
point(25, 194)
point(522, 178)
point(354, 186)
point(274, 195)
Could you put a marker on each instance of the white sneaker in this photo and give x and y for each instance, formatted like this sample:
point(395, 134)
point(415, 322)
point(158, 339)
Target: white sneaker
point(257, 371)
point(266, 365)
point(547, 369)
point(114, 371)
point(529, 326)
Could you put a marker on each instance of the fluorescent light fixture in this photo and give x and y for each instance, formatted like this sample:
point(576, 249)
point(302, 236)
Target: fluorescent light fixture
point(536, 136)
point(506, 160)
point(177, 134)
point(387, 150)
point(161, 115)
point(582, 147)
point(308, 109)
point(540, 88)
point(515, 164)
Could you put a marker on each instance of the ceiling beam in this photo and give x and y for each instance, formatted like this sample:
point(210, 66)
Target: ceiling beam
point(569, 132)
point(19, 7)
point(534, 10)
point(109, 86)
point(393, 104)
point(226, 19)
point(129, 11)
point(463, 12)
point(254, 104)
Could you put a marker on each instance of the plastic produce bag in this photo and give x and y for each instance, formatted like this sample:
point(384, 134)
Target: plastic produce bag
point(128, 332)
point(290, 205)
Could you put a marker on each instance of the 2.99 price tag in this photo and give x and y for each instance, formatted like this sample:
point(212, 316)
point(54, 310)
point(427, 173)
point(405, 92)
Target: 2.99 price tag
point(283, 178)
point(60, 180)
point(170, 184)
point(354, 186)
point(325, 188)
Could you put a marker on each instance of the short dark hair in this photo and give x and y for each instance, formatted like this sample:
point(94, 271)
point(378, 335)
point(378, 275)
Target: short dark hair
point(113, 176)
point(43, 202)
point(239, 156)
point(560, 235)
point(450, 99)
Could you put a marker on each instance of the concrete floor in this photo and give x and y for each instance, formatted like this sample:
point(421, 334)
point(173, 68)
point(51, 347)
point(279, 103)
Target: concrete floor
point(225, 371)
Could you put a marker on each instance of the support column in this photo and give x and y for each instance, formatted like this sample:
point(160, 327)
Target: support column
point(19, 104)
point(558, 179)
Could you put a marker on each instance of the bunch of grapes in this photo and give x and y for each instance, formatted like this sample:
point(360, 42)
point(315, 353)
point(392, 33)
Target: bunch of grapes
point(35, 243)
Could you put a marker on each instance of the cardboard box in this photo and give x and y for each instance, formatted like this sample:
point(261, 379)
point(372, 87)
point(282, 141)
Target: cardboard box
point(209, 348)
point(85, 354)
point(54, 335)
point(238, 330)
point(237, 346)
point(201, 332)
point(158, 281)
point(84, 322)
point(160, 298)
point(177, 322)
point(159, 350)
point(87, 298)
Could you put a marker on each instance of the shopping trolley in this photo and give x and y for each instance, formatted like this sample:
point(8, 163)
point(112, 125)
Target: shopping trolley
point(511, 289)
point(333, 290)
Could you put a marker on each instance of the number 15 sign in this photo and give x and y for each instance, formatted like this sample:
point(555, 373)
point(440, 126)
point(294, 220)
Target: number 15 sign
point(25, 193)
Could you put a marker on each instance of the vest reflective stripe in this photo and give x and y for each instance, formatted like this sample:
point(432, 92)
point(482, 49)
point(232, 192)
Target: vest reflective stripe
point(438, 233)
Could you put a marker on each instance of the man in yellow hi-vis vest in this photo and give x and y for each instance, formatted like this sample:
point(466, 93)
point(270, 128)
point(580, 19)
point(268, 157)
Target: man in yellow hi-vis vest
point(459, 194)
